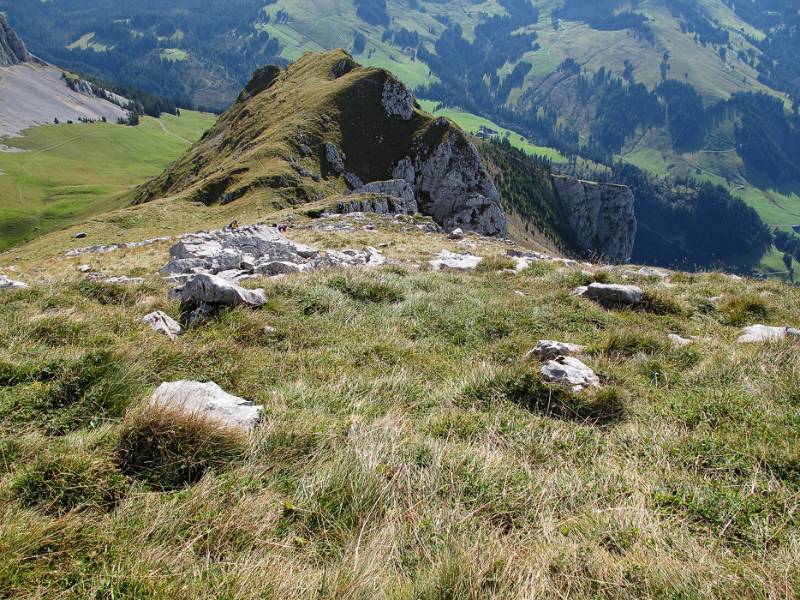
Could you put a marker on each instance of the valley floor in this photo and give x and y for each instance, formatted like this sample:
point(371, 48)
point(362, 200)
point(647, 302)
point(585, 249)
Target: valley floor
point(408, 448)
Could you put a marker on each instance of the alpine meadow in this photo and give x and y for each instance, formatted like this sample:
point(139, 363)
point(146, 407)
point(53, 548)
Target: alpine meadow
point(399, 299)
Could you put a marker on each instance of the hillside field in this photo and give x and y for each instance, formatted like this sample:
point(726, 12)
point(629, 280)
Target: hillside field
point(67, 173)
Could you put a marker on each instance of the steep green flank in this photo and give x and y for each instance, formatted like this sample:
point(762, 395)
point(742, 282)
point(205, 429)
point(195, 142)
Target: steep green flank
point(67, 173)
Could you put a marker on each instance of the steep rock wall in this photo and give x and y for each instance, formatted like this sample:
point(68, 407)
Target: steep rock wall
point(601, 216)
point(12, 48)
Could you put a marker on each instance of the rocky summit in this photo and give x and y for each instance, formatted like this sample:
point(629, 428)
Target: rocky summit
point(327, 123)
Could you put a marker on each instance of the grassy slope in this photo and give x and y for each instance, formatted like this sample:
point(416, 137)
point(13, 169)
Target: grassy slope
point(407, 450)
point(70, 172)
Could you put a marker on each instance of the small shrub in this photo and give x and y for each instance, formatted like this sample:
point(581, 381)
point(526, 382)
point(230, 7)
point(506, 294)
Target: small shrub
point(490, 264)
point(632, 343)
point(58, 483)
point(529, 391)
point(662, 304)
point(368, 290)
point(741, 310)
point(169, 449)
point(105, 293)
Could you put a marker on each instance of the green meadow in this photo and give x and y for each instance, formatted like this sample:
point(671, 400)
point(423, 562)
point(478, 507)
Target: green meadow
point(67, 173)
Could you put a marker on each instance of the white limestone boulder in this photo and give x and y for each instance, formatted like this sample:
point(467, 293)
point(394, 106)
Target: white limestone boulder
point(162, 323)
point(209, 401)
point(548, 349)
point(569, 371)
point(765, 333)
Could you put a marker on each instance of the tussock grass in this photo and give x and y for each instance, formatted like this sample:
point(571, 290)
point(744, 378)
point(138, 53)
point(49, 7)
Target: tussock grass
point(407, 449)
point(168, 449)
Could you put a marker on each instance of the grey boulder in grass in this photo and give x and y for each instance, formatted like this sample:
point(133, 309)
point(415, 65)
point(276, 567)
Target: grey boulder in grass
point(546, 349)
point(612, 294)
point(208, 401)
point(11, 284)
point(204, 289)
point(765, 333)
point(571, 372)
point(163, 323)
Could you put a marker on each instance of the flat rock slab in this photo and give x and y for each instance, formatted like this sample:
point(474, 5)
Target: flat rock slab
point(612, 295)
point(569, 371)
point(163, 323)
point(547, 349)
point(765, 333)
point(451, 260)
point(207, 400)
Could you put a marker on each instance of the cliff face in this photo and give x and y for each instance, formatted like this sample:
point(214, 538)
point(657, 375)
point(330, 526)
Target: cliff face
point(12, 48)
point(327, 125)
point(601, 216)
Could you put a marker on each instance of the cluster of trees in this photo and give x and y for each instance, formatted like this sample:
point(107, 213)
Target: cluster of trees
point(787, 242)
point(373, 12)
point(139, 102)
point(687, 224)
point(694, 20)
point(605, 16)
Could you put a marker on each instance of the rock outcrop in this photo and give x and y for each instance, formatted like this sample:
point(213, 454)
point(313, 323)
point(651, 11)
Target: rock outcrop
point(207, 401)
point(601, 216)
point(164, 324)
point(549, 349)
point(11, 284)
point(454, 187)
point(12, 48)
point(451, 260)
point(254, 250)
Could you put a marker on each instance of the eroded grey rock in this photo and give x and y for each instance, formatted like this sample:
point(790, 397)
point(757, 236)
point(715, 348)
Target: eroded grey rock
point(548, 349)
point(163, 323)
point(11, 284)
point(612, 294)
point(678, 341)
point(209, 401)
point(122, 280)
point(456, 234)
point(12, 48)
point(451, 260)
point(397, 100)
point(601, 215)
point(204, 289)
point(454, 188)
point(335, 158)
point(569, 371)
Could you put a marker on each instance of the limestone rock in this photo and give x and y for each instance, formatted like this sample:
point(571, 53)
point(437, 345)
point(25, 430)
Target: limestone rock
point(451, 260)
point(397, 188)
point(456, 234)
point(204, 289)
point(397, 100)
point(548, 349)
point(11, 284)
point(613, 295)
point(123, 280)
point(455, 189)
point(765, 333)
point(571, 372)
point(601, 215)
point(163, 323)
point(405, 170)
point(209, 401)
point(335, 158)
point(12, 48)
point(678, 341)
